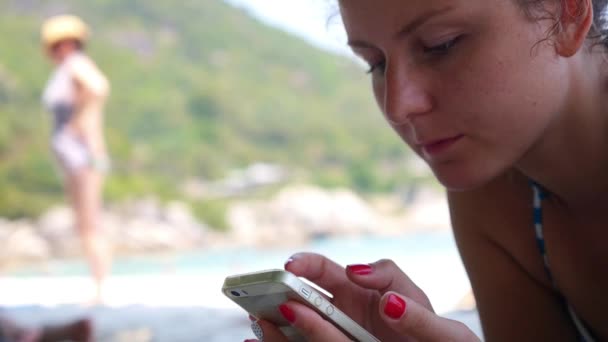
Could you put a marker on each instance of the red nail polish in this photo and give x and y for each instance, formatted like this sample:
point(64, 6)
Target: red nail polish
point(394, 307)
point(359, 269)
point(289, 315)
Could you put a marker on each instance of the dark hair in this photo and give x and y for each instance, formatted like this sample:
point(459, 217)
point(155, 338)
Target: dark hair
point(77, 43)
point(535, 9)
point(599, 30)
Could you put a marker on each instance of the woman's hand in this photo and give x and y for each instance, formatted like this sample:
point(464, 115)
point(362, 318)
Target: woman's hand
point(379, 296)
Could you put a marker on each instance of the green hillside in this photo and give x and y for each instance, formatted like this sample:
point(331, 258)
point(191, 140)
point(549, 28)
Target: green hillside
point(198, 88)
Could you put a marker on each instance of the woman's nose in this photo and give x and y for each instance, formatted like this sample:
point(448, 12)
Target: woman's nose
point(405, 96)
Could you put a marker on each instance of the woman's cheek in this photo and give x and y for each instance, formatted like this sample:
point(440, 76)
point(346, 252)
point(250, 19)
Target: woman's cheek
point(378, 89)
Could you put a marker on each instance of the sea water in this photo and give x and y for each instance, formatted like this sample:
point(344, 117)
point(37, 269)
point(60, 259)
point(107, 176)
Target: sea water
point(431, 260)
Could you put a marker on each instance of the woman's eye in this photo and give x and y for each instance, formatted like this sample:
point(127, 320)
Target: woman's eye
point(380, 66)
point(442, 48)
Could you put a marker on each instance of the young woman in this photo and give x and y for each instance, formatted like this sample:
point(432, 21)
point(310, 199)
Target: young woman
point(75, 95)
point(506, 101)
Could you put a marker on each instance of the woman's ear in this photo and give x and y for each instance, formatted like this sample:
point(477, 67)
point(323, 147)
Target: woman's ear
point(575, 23)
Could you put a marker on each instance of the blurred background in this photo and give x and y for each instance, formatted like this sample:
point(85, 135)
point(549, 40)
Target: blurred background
point(240, 132)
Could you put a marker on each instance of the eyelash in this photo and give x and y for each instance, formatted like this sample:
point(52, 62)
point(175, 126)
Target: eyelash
point(442, 48)
point(377, 66)
point(436, 50)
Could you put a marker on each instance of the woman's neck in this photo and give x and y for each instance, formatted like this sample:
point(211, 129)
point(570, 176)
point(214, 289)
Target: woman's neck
point(571, 159)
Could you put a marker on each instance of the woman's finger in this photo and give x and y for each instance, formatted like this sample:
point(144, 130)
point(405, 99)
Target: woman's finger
point(409, 318)
point(318, 269)
point(384, 276)
point(310, 324)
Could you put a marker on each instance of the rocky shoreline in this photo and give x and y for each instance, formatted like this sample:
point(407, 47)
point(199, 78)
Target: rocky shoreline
point(294, 216)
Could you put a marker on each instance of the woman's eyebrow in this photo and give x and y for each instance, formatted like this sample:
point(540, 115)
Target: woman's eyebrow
point(408, 28)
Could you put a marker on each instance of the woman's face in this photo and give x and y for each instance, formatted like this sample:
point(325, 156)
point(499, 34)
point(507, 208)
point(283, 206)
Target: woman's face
point(465, 83)
point(61, 50)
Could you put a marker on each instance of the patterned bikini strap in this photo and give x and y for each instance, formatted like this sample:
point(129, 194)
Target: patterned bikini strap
point(539, 195)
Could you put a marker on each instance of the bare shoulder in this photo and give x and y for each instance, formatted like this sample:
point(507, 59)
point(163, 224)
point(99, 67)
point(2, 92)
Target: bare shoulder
point(86, 73)
point(494, 230)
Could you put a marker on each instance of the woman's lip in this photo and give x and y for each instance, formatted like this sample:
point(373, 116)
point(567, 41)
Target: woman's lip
point(436, 147)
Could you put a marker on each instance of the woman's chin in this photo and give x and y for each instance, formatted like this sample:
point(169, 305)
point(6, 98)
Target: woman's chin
point(461, 179)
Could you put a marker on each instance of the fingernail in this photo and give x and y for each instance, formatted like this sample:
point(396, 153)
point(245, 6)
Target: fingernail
point(289, 315)
point(289, 261)
point(257, 331)
point(359, 269)
point(394, 307)
point(251, 340)
point(253, 319)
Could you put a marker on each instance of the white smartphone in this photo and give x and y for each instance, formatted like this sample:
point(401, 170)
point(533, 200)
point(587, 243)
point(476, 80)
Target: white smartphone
point(261, 293)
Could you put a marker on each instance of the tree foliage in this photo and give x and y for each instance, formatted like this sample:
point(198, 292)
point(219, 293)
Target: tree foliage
point(198, 88)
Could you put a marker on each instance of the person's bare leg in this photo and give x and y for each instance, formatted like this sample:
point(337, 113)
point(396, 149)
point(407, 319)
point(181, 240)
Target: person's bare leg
point(86, 188)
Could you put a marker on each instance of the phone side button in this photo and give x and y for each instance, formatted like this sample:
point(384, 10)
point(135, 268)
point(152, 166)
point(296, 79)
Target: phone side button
point(318, 301)
point(306, 292)
point(329, 310)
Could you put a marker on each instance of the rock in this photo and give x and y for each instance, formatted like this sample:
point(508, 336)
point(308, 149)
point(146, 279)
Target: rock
point(467, 303)
point(294, 216)
point(185, 225)
point(428, 212)
point(260, 174)
point(148, 208)
point(6, 229)
point(57, 227)
point(194, 188)
point(113, 226)
point(21, 243)
point(298, 214)
point(141, 235)
point(324, 212)
point(57, 221)
point(253, 225)
point(179, 215)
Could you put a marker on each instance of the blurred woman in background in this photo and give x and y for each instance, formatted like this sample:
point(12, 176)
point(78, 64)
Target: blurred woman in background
point(75, 94)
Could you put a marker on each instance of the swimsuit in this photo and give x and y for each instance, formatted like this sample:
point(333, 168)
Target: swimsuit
point(59, 97)
point(539, 194)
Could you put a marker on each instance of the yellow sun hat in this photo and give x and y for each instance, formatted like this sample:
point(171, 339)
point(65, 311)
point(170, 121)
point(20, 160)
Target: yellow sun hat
point(62, 27)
